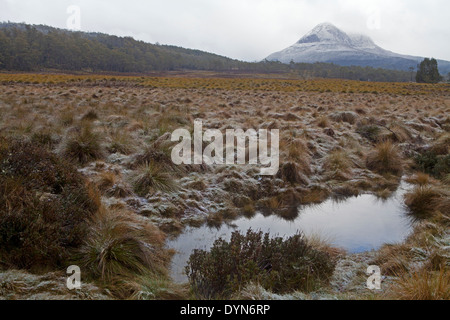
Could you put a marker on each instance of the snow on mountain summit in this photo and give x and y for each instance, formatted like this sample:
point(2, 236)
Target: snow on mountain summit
point(325, 32)
point(327, 43)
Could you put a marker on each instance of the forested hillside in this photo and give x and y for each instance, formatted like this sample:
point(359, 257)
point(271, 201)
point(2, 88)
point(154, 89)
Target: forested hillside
point(41, 48)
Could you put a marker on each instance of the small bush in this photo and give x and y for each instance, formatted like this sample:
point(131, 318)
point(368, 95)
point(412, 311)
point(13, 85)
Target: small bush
point(370, 132)
point(44, 207)
point(385, 159)
point(276, 264)
point(426, 162)
point(442, 167)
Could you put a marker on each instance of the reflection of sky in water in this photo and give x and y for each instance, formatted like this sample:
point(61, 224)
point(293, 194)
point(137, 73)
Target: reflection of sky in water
point(357, 224)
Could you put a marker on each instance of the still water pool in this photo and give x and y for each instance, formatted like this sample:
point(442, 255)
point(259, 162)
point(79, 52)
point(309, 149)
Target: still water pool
point(356, 224)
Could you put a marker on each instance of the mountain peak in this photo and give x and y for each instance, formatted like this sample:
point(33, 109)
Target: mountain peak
point(327, 43)
point(325, 25)
point(326, 32)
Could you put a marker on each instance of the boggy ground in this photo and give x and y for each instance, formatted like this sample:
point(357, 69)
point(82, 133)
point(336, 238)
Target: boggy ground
point(338, 143)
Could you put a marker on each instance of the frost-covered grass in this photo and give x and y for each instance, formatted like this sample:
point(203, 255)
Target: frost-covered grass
point(116, 132)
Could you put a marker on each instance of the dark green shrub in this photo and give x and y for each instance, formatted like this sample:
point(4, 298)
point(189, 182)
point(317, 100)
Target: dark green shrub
point(277, 264)
point(433, 164)
point(426, 161)
point(370, 132)
point(442, 167)
point(44, 205)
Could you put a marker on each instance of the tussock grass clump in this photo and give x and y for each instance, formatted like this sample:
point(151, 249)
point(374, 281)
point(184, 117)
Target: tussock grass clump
point(121, 143)
point(315, 195)
point(323, 243)
point(290, 172)
point(298, 152)
point(155, 154)
point(370, 132)
point(45, 138)
point(66, 119)
point(442, 145)
point(150, 178)
point(344, 116)
point(338, 165)
point(107, 180)
point(169, 121)
point(111, 185)
point(323, 122)
point(123, 252)
point(422, 201)
point(91, 115)
point(278, 265)
point(422, 285)
point(421, 179)
point(393, 259)
point(44, 207)
point(399, 133)
point(385, 158)
point(82, 146)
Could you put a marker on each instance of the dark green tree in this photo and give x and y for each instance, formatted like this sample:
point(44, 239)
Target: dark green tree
point(428, 71)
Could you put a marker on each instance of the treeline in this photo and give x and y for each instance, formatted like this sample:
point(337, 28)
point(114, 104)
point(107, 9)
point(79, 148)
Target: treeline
point(29, 49)
point(41, 48)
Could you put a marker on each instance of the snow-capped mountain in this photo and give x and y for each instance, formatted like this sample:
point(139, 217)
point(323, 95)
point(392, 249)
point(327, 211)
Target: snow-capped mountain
point(326, 43)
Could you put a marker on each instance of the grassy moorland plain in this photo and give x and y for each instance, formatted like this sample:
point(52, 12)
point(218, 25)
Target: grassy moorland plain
point(86, 179)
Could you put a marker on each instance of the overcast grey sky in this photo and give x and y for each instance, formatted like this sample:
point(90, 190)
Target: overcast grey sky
point(250, 29)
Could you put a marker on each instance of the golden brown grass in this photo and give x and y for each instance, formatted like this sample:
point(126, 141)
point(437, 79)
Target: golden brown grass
point(385, 159)
point(421, 179)
point(337, 165)
point(82, 145)
point(422, 201)
point(126, 118)
point(151, 178)
point(323, 243)
point(421, 285)
point(124, 253)
point(393, 259)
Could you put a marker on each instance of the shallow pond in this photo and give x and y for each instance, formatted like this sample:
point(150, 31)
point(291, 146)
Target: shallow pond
point(356, 224)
